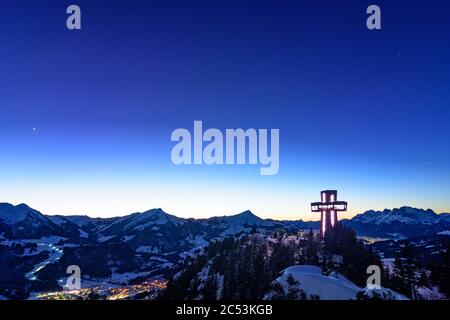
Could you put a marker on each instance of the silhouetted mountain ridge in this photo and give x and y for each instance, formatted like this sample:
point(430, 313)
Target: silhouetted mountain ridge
point(403, 222)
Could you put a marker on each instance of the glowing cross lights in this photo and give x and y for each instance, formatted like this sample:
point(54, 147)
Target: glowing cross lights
point(328, 208)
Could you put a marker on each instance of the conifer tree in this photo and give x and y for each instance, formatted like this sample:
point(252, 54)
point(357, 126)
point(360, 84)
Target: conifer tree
point(406, 268)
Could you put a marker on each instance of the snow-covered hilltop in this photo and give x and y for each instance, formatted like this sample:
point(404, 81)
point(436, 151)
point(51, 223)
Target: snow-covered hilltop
point(308, 282)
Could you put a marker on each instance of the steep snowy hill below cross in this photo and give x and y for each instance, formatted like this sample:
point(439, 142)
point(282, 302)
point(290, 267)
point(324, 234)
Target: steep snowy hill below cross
point(335, 286)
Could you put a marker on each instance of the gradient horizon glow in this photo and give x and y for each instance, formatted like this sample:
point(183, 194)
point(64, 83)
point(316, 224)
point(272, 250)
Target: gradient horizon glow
point(86, 116)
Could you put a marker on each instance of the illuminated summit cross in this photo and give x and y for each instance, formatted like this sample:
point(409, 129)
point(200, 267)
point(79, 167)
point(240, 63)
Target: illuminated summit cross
point(328, 207)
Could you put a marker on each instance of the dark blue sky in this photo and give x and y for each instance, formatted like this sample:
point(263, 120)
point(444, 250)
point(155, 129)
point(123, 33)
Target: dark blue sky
point(366, 112)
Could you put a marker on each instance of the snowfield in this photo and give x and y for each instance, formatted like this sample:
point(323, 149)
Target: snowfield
point(332, 287)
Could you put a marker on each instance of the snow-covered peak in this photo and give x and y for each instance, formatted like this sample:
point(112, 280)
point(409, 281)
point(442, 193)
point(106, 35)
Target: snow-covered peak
point(246, 217)
point(11, 214)
point(403, 215)
point(158, 216)
point(241, 219)
point(142, 220)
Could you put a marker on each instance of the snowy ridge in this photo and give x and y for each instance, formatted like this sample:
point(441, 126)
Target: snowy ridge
point(139, 221)
point(11, 214)
point(80, 221)
point(23, 222)
point(244, 218)
point(403, 215)
point(398, 223)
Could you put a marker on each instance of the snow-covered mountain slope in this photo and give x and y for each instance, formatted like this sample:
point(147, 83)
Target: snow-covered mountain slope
point(244, 218)
point(234, 224)
point(10, 214)
point(78, 225)
point(150, 243)
point(315, 285)
point(399, 222)
point(248, 221)
point(404, 215)
point(23, 222)
point(80, 221)
point(139, 221)
point(152, 232)
point(144, 229)
point(157, 231)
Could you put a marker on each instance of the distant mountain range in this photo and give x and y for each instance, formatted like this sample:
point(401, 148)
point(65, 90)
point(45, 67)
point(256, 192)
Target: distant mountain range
point(404, 222)
point(152, 243)
point(143, 228)
point(152, 227)
point(114, 250)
